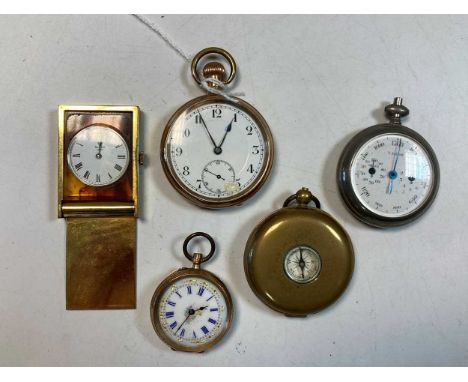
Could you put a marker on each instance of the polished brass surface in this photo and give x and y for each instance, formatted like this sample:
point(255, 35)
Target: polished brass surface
point(101, 263)
point(70, 209)
point(280, 232)
point(213, 51)
point(123, 119)
point(218, 202)
point(101, 224)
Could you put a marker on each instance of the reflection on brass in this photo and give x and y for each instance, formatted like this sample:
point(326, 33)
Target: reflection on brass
point(123, 119)
point(97, 208)
point(101, 263)
point(292, 226)
point(101, 221)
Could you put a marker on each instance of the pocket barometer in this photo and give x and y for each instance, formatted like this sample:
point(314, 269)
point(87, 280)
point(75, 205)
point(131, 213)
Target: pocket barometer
point(191, 310)
point(216, 151)
point(388, 174)
point(299, 260)
point(98, 196)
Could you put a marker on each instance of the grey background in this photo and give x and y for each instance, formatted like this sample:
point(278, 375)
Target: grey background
point(318, 80)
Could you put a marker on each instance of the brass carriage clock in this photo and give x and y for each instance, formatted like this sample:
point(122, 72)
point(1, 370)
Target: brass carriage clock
point(216, 151)
point(98, 195)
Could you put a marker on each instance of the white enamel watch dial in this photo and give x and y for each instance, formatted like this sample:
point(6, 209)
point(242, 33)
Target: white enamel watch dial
point(392, 175)
point(98, 155)
point(302, 264)
point(192, 312)
point(217, 152)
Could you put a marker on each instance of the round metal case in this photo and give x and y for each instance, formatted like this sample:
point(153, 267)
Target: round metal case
point(388, 175)
point(319, 251)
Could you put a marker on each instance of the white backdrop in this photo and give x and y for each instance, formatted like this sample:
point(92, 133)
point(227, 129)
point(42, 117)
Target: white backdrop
point(317, 80)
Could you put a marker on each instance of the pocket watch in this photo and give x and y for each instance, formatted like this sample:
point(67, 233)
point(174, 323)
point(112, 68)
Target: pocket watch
point(98, 195)
point(299, 260)
point(388, 174)
point(191, 310)
point(216, 151)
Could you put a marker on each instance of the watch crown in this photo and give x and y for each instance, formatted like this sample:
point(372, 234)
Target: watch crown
point(215, 70)
point(141, 158)
point(396, 110)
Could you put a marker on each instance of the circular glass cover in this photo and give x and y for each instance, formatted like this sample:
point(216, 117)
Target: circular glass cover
point(302, 264)
point(392, 175)
point(192, 311)
point(98, 155)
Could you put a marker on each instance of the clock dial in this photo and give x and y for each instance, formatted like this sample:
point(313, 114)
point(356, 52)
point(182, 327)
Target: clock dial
point(302, 264)
point(215, 151)
point(192, 312)
point(98, 155)
point(392, 175)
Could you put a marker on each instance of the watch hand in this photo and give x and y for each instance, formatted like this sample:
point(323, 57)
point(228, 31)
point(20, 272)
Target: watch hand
point(228, 129)
point(217, 176)
point(191, 312)
point(208, 131)
point(99, 155)
point(393, 174)
point(301, 262)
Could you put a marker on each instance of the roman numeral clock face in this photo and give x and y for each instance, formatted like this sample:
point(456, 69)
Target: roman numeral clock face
point(98, 155)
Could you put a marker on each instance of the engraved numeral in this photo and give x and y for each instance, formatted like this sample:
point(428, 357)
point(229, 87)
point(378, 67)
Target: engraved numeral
point(216, 113)
point(76, 155)
point(250, 169)
point(98, 178)
point(121, 156)
point(117, 167)
point(78, 166)
point(86, 174)
point(249, 130)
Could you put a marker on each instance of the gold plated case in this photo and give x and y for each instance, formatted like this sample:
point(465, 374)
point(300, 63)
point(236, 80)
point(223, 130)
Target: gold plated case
point(169, 283)
point(214, 75)
point(101, 220)
point(313, 240)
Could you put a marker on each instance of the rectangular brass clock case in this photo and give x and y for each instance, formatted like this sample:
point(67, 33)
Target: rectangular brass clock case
point(101, 221)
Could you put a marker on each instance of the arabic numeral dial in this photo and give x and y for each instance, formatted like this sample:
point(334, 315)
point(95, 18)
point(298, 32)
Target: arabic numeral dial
point(216, 150)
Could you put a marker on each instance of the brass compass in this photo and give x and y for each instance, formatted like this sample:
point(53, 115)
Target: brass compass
point(299, 259)
point(216, 151)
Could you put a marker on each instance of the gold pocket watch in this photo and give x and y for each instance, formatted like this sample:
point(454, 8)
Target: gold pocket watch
point(299, 260)
point(98, 195)
point(216, 151)
point(191, 310)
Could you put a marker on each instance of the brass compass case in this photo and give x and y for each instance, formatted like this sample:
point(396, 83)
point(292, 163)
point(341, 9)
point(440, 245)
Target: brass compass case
point(344, 169)
point(213, 76)
point(299, 226)
point(100, 208)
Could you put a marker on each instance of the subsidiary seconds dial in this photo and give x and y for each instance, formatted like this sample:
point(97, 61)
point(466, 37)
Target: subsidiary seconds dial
point(98, 155)
point(217, 153)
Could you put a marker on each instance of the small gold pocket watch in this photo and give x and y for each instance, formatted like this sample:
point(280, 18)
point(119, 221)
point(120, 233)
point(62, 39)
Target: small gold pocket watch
point(299, 260)
point(217, 151)
point(191, 310)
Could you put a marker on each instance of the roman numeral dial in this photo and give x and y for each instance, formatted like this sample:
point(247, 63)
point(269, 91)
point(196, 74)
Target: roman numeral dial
point(98, 156)
point(192, 311)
